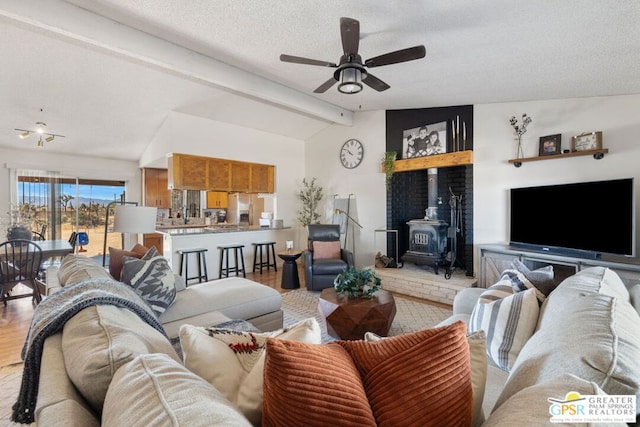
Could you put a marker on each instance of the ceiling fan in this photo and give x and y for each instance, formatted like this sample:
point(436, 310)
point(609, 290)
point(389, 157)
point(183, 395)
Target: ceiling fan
point(351, 71)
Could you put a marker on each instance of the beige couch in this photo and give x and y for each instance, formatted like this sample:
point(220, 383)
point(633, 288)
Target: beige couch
point(79, 364)
point(204, 304)
point(586, 339)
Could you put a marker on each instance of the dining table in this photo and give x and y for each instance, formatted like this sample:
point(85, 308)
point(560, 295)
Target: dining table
point(54, 248)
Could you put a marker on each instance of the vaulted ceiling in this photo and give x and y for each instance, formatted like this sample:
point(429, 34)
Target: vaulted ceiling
point(108, 73)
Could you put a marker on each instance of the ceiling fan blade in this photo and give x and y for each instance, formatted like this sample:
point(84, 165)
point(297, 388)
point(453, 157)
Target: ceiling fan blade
point(325, 86)
point(375, 83)
point(403, 55)
point(350, 33)
point(307, 61)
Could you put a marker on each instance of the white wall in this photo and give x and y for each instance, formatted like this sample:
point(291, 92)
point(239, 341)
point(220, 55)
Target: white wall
point(183, 133)
point(73, 166)
point(366, 182)
point(616, 116)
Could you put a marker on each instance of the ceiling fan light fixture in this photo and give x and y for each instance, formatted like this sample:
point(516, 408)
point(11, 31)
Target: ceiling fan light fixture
point(350, 81)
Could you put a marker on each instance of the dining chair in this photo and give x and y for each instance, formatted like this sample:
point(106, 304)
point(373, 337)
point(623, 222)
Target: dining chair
point(19, 264)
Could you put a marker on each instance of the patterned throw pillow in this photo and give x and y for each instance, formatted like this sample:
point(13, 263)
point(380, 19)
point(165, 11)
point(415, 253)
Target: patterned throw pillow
point(541, 278)
point(233, 361)
point(152, 279)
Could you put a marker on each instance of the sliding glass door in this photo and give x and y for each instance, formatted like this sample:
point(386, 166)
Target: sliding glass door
point(61, 205)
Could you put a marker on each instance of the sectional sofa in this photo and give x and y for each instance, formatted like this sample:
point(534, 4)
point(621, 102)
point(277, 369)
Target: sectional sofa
point(584, 338)
point(203, 304)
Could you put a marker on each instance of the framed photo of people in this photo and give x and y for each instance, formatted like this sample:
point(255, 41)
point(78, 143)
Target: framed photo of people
point(550, 145)
point(425, 140)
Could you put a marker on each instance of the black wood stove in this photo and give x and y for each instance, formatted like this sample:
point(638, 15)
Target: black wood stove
point(427, 243)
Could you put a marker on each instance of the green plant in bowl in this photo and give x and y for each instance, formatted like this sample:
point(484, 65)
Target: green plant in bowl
point(357, 283)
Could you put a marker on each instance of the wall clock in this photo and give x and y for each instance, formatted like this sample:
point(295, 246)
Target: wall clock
point(351, 153)
point(587, 141)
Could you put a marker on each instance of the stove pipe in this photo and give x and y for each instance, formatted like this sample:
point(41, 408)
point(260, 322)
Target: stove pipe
point(431, 213)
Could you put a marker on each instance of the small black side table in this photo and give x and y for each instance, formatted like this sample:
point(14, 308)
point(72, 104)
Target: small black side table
point(290, 278)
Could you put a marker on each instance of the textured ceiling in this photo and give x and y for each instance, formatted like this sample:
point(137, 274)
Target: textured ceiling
point(477, 52)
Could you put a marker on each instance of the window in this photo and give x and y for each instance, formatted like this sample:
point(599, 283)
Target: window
point(61, 205)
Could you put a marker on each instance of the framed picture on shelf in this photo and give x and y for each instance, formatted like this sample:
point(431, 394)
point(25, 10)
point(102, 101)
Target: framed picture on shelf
point(425, 140)
point(587, 141)
point(550, 145)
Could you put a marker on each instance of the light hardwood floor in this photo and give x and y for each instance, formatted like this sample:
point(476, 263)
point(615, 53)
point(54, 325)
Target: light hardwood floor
point(15, 317)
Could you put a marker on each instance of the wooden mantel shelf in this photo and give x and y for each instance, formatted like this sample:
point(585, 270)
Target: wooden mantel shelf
point(457, 158)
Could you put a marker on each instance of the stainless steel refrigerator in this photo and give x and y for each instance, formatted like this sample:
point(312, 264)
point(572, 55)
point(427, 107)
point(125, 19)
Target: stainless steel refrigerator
point(244, 209)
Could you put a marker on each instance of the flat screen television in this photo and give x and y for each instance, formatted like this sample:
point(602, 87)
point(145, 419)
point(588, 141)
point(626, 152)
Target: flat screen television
point(585, 219)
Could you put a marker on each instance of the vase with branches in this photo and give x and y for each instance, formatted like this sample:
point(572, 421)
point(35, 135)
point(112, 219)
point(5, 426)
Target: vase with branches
point(310, 195)
point(520, 129)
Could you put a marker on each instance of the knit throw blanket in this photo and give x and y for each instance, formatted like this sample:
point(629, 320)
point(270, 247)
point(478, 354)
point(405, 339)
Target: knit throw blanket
point(51, 315)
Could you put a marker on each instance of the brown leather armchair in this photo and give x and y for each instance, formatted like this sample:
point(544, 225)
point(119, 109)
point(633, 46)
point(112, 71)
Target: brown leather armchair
point(324, 259)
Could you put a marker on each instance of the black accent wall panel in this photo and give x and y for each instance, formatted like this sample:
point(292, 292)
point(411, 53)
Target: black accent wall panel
point(407, 195)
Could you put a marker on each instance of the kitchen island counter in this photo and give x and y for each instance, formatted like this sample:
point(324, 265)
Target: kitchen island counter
point(177, 230)
point(210, 237)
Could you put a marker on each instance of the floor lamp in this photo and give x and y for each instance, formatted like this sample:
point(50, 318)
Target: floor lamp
point(340, 211)
point(129, 218)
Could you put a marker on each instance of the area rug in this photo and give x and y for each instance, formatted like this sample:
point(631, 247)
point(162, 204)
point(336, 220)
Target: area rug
point(410, 316)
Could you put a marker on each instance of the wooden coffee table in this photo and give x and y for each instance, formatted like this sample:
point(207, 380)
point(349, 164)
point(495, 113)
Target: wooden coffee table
point(348, 318)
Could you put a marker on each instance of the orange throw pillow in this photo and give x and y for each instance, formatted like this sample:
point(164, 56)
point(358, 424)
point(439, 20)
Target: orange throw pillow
point(423, 378)
point(116, 258)
point(312, 385)
point(326, 250)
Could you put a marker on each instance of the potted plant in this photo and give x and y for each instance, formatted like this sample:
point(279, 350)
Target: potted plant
point(310, 196)
point(357, 283)
point(19, 218)
point(388, 165)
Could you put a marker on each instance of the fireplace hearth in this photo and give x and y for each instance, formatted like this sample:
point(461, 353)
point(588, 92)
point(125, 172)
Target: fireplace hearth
point(427, 243)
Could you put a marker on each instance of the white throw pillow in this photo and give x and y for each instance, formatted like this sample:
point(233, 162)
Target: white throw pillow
point(233, 361)
point(508, 323)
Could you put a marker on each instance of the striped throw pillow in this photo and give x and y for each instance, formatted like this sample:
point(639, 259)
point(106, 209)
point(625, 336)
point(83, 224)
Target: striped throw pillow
point(508, 320)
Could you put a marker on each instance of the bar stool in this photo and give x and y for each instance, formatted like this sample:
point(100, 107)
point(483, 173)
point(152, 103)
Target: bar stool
point(224, 253)
point(257, 247)
point(202, 263)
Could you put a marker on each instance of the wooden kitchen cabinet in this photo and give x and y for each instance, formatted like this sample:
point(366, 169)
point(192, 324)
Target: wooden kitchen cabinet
point(262, 178)
point(240, 176)
point(156, 190)
point(218, 174)
point(187, 172)
point(217, 200)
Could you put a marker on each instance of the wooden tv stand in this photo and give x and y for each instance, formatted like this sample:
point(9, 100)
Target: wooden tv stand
point(493, 259)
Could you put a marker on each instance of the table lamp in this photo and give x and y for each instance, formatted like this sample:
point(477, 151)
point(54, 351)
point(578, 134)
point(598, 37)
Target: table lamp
point(130, 218)
point(134, 219)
